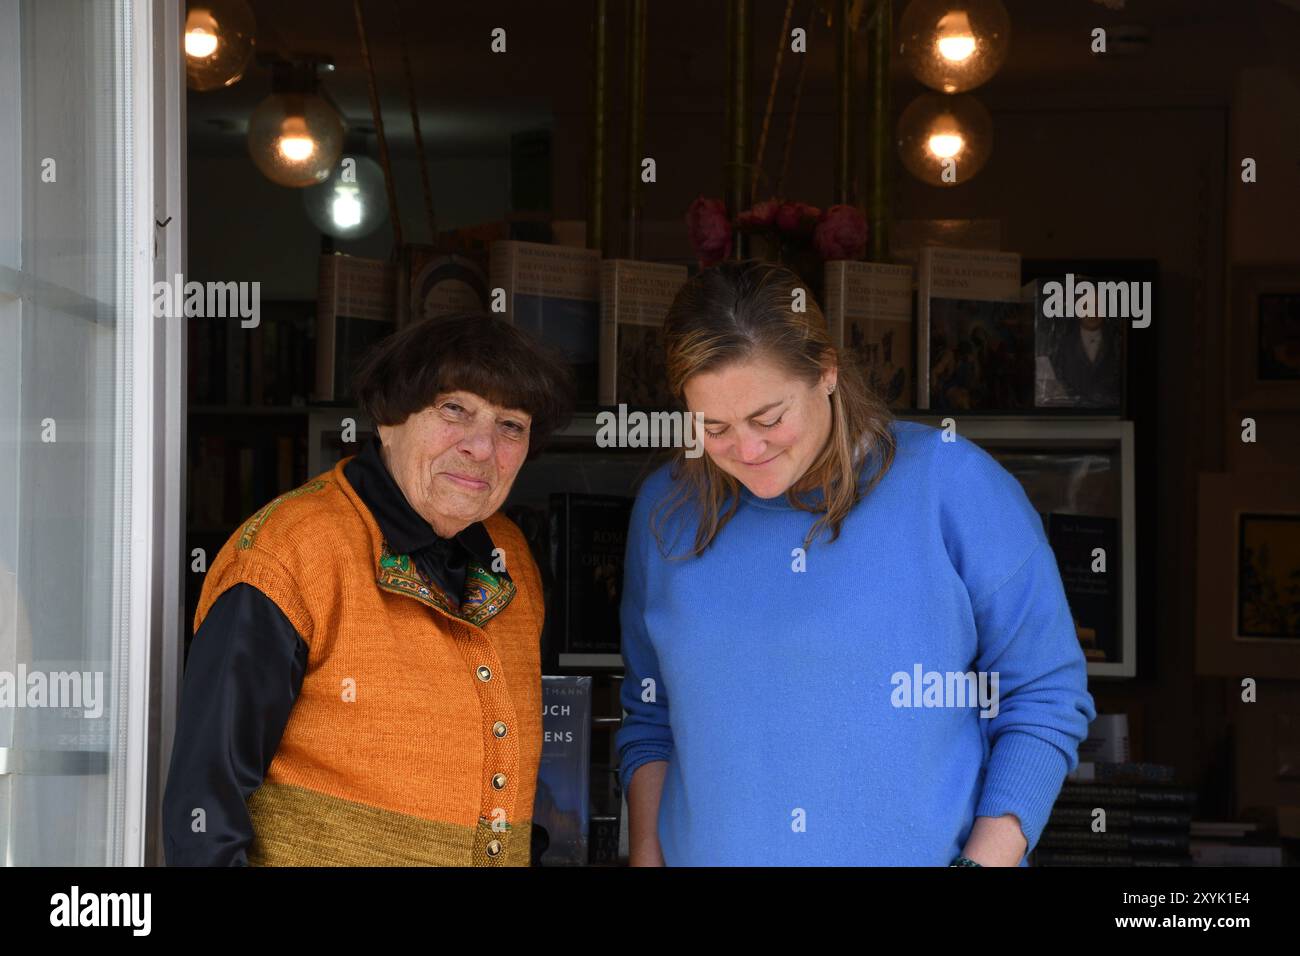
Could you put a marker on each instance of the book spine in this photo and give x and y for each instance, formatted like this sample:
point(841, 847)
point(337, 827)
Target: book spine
point(834, 295)
point(271, 363)
point(559, 546)
point(1119, 818)
point(284, 463)
point(230, 499)
point(326, 312)
point(570, 636)
point(924, 269)
point(607, 362)
point(236, 357)
point(1103, 794)
point(1142, 841)
point(1133, 773)
point(217, 361)
point(247, 503)
point(306, 367)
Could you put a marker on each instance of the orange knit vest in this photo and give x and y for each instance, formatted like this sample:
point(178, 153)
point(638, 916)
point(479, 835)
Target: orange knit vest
point(416, 736)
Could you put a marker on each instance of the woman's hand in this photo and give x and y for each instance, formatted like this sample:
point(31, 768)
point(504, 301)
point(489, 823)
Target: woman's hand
point(996, 841)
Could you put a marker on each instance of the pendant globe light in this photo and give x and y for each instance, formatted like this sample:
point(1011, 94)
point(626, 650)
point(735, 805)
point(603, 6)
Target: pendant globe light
point(351, 203)
point(954, 45)
point(218, 43)
point(295, 135)
point(945, 140)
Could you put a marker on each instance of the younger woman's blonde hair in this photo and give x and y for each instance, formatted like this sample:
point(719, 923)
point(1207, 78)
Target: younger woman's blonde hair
point(743, 311)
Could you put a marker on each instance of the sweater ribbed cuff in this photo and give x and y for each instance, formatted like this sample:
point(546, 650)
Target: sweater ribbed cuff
point(1024, 777)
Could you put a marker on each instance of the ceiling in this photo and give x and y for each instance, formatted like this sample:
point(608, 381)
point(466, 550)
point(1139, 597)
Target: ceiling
point(470, 99)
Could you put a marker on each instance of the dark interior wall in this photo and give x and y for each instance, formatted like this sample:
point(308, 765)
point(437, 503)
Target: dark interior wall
point(1261, 229)
point(243, 227)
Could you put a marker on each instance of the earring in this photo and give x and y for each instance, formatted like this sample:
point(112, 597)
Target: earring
point(830, 390)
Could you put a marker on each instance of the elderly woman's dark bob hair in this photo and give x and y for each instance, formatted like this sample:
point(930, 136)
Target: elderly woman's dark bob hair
point(474, 352)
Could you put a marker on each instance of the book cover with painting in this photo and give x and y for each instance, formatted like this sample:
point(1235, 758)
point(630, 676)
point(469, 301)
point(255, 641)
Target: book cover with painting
point(869, 311)
point(975, 332)
point(634, 299)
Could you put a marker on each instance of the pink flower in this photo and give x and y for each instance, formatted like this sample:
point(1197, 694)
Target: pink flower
point(841, 233)
point(709, 229)
point(763, 214)
point(792, 215)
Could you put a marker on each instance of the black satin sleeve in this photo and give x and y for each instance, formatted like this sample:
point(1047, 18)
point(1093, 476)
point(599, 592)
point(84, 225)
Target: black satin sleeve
point(244, 673)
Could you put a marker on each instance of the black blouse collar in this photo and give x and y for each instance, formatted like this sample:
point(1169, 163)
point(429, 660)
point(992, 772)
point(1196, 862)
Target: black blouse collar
point(407, 532)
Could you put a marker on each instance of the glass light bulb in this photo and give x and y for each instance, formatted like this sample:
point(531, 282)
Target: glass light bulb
point(945, 140)
point(202, 34)
point(351, 202)
point(295, 138)
point(347, 209)
point(954, 45)
point(295, 143)
point(218, 43)
point(955, 40)
point(945, 145)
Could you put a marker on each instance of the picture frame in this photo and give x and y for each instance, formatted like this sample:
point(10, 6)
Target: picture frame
point(1039, 441)
point(1135, 346)
point(1248, 575)
point(1264, 329)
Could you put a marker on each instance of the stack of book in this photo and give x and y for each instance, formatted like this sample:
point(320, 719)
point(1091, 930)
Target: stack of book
point(1119, 814)
point(1234, 844)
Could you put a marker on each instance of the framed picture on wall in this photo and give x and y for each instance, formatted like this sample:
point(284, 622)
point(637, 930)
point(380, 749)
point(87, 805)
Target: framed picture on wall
point(1268, 576)
point(1248, 575)
point(1088, 364)
point(1264, 326)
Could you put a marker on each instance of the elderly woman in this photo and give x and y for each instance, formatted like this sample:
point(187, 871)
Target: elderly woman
point(364, 685)
point(784, 593)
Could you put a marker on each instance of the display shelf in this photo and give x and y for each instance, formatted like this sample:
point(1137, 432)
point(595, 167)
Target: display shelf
point(1073, 442)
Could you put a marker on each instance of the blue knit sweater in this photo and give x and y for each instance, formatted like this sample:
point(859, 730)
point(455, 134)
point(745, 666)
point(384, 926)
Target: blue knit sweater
point(797, 709)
